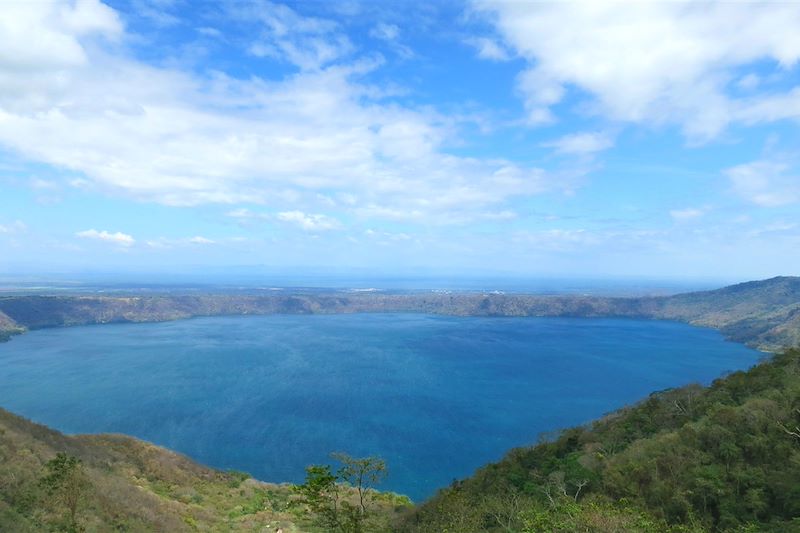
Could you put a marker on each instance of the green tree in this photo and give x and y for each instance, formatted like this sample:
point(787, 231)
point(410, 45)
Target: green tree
point(321, 494)
point(342, 502)
point(362, 474)
point(66, 483)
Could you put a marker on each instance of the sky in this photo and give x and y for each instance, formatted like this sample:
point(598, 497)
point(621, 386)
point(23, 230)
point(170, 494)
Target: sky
point(573, 139)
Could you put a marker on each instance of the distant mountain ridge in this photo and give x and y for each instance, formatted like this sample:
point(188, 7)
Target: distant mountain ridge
point(762, 314)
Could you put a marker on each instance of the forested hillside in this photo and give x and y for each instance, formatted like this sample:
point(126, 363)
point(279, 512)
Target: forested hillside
point(724, 458)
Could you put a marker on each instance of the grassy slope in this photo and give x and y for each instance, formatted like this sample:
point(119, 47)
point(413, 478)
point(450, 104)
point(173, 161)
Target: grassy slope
point(688, 459)
point(135, 486)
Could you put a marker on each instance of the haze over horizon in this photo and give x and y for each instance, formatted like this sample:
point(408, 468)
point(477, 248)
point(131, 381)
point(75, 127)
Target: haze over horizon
point(576, 139)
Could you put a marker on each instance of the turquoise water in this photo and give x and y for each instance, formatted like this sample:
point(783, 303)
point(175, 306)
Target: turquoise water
point(435, 396)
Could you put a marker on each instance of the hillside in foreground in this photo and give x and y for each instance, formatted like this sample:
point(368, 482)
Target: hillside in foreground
point(136, 486)
point(133, 486)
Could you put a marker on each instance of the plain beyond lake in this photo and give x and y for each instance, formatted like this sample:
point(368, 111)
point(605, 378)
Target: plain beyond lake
point(435, 396)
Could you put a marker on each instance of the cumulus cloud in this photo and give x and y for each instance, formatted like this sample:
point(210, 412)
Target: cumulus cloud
point(119, 238)
point(765, 183)
point(582, 143)
point(39, 36)
point(649, 62)
point(170, 136)
point(309, 222)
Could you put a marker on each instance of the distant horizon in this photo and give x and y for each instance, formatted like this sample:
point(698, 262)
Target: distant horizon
point(261, 279)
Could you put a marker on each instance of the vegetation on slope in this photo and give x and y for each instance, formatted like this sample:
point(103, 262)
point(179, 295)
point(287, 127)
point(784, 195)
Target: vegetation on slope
point(725, 458)
point(131, 485)
point(8, 327)
point(762, 314)
point(765, 314)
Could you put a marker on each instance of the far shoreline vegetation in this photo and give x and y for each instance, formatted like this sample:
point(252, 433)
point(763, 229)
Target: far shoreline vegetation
point(691, 459)
point(761, 314)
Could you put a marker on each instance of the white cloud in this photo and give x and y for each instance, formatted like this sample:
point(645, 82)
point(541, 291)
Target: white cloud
point(159, 244)
point(388, 238)
point(209, 32)
point(244, 214)
point(582, 143)
point(559, 239)
point(488, 48)
point(15, 227)
point(390, 33)
point(167, 243)
point(689, 213)
point(779, 228)
point(506, 214)
point(749, 82)
point(122, 239)
point(579, 240)
point(765, 183)
point(156, 11)
point(309, 222)
point(307, 42)
point(40, 37)
point(385, 32)
point(648, 62)
point(169, 136)
point(43, 185)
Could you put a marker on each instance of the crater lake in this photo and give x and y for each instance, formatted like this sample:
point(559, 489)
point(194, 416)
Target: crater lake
point(435, 396)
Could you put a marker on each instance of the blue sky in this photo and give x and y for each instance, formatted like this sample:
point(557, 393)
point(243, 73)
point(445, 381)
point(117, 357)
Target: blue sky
point(532, 139)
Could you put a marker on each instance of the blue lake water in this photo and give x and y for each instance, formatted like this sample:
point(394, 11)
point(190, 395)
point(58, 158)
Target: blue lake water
point(435, 396)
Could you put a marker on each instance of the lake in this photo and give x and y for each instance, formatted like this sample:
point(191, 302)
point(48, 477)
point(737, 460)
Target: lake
point(435, 396)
